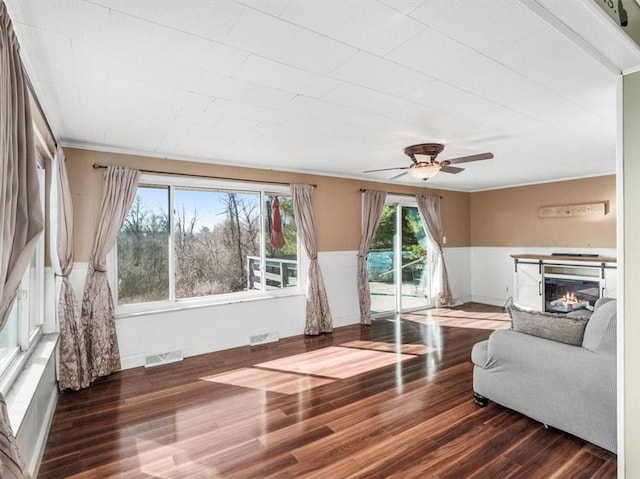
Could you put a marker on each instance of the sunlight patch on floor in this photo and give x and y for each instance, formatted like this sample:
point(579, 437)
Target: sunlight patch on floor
point(272, 381)
point(471, 314)
point(335, 362)
point(418, 349)
point(461, 319)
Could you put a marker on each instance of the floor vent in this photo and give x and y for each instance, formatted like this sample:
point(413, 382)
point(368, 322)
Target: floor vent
point(263, 338)
point(162, 358)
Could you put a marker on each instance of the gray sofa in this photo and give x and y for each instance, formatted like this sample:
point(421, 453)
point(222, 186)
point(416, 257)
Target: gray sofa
point(571, 388)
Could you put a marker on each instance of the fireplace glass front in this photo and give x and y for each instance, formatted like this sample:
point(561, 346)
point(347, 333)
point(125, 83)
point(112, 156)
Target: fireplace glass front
point(563, 295)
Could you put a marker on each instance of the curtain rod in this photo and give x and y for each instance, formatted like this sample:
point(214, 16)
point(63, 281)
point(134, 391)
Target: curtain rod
point(362, 190)
point(155, 172)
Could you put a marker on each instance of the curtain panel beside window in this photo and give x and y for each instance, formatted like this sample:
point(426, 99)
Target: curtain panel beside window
point(429, 207)
point(74, 356)
point(372, 206)
point(98, 310)
point(318, 315)
point(21, 223)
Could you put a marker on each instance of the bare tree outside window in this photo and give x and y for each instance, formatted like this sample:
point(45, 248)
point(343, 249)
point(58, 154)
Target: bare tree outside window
point(212, 244)
point(143, 248)
point(217, 244)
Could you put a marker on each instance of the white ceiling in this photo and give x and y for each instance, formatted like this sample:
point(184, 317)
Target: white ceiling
point(331, 87)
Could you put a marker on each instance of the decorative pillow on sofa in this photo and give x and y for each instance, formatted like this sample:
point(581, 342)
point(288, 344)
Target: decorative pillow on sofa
point(556, 327)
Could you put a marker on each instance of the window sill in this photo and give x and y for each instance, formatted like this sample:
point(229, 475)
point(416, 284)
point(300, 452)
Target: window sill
point(188, 304)
point(22, 391)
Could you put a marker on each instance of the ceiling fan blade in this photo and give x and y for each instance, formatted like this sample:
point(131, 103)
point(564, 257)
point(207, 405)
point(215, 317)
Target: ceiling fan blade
point(398, 176)
point(465, 159)
point(389, 169)
point(454, 170)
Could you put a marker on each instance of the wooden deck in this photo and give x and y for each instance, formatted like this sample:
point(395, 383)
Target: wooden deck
point(388, 401)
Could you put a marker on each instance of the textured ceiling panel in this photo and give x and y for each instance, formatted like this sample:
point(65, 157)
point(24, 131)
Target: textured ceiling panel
point(370, 26)
point(328, 87)
point(380, 74)
point(288, 43)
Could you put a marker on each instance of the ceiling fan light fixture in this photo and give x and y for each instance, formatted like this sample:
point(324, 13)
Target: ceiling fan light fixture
point(427, 166)
point(424, 172)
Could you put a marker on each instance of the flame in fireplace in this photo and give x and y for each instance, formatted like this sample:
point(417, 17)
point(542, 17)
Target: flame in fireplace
point(570, 297)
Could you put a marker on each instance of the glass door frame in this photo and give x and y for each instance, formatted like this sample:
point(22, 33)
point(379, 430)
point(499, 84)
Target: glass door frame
point(400, 201)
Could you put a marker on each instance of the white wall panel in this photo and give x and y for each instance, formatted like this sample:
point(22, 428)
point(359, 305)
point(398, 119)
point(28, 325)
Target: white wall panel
point(339, 270)
point(206, 329)
point(77, 277)
point(458, 267)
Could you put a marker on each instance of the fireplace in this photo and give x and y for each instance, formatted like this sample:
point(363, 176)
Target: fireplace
point(562, 283)
point(563, 294)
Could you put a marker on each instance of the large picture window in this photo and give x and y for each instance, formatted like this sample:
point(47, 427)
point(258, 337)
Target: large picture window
point(190, 239)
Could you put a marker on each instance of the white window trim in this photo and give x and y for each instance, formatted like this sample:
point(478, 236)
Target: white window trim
point(173, 181)
point(28, 339)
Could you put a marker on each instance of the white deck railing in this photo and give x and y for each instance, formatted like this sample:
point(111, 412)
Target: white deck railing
point(279, 273)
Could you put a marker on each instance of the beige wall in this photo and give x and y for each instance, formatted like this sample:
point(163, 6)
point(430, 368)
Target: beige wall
point(509, 216)
point(631, 299)
point(504, 217)
point(337, 201)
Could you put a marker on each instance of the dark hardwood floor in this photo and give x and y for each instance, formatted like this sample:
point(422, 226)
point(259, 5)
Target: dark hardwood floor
point(393, 400)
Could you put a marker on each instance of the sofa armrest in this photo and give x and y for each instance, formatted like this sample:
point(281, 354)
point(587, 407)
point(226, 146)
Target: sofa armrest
point(479, 353)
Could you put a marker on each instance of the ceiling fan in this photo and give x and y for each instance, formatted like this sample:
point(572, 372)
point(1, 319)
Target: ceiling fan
point(423, 170)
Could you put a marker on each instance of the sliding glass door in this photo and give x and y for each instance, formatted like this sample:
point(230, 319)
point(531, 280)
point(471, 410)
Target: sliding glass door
point(397, 260)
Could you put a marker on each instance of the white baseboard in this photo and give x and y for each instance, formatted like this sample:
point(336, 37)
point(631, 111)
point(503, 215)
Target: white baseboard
point(464, 299)
point(345, 321)
point(488, 300)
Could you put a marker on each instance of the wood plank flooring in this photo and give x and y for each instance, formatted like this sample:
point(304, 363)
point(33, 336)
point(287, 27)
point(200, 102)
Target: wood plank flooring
point(400, 406)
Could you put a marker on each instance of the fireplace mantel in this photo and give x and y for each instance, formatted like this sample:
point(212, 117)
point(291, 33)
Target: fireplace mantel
point(569, 258)
point(533, 275)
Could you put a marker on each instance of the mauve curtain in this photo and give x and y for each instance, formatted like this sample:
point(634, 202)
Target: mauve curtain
point(372, 206)
point(73, 365)
point(429, 207)
point(21, 222)
point(98, 311)
point(318, 318)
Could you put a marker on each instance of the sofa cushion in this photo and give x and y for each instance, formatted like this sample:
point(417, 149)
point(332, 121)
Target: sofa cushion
point(600, 333)
point(580, 313)
point(556, 327)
